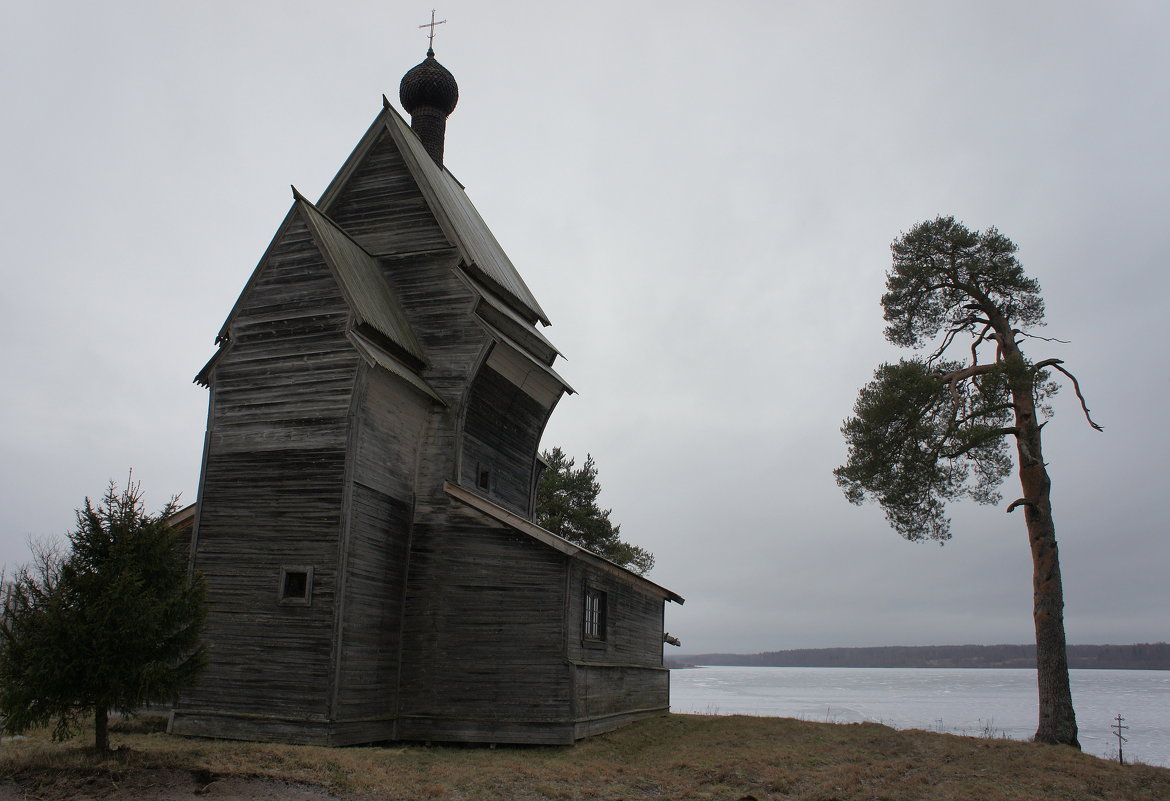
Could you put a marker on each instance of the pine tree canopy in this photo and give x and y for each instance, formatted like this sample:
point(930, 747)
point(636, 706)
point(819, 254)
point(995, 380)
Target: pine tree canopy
point(566, 505)
point(932, 429)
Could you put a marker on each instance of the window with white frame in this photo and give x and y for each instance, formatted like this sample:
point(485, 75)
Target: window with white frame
point(595, 614)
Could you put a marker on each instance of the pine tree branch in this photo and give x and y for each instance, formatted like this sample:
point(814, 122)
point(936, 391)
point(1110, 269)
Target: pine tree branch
point(953, 378)
point(1037, 336)
point(946, 343)
point(1003, 407)
point(979, 340)
point(968, 372)
point(991, 435)
point(1076, 386)
point(1020, 502)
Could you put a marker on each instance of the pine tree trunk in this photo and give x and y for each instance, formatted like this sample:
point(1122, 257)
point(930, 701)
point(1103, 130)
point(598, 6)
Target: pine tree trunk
point(1058, 723)
point(101, 729)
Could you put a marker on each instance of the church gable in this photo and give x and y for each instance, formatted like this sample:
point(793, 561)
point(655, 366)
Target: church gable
point(481, 255)
point(394, 199)
point(284, 340)
point(377, 201)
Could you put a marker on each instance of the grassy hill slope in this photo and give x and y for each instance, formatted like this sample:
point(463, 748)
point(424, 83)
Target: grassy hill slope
point(675, 757)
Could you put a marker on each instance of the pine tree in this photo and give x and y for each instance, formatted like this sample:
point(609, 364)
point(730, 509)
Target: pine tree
point(566, 505)
point(112, 626)
point(927, 431)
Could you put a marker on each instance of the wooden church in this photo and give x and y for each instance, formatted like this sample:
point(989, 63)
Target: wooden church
point(364, 517)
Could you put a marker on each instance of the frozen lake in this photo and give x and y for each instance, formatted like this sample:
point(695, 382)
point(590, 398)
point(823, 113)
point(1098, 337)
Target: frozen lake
point(957, 701)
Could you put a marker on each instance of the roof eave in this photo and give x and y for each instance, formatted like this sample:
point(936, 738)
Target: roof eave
point(545, 536)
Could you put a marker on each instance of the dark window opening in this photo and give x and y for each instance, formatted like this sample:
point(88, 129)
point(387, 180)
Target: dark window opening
point(296, 585)
point(595, 615)
point(483, 477)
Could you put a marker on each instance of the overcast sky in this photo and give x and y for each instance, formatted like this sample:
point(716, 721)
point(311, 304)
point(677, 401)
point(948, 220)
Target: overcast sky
point(702, 198)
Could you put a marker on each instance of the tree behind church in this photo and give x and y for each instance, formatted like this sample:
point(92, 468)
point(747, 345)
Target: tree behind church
point(114, 625)
point(566, 505)
point(930, 430)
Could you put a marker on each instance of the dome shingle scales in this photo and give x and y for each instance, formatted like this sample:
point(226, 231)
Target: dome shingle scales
point(428, 84)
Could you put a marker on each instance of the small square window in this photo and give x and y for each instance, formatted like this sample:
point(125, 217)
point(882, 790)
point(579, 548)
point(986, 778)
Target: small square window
point(296, 585)
point(483, 477)
point(595, 615)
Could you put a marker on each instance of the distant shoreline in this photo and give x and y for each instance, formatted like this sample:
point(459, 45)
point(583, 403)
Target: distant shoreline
point(1139, 656)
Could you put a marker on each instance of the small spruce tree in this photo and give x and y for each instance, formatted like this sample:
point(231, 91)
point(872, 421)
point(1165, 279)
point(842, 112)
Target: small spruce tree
point(112, 626)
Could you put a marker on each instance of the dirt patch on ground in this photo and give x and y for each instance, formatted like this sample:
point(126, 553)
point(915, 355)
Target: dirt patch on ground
point(161, 785)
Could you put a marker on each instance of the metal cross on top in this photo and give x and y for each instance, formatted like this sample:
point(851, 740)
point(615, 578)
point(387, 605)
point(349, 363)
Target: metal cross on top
point(431, 33)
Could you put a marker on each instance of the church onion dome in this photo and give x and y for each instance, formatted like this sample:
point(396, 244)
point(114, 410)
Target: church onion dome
point(429, 84)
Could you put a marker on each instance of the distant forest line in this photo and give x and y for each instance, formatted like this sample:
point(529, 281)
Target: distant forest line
point(1141, 656)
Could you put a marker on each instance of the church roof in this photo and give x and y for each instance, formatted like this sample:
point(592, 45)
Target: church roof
point(482, 256)
point(366, 291)
point(527, 527)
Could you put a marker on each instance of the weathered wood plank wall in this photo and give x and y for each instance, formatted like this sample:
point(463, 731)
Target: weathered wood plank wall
point(382, 207)
point(634, 624)
point(484, 626)
point(273, 487)
point(370, 635)
point(388, 427)
point(501, 434)
point(623, 672)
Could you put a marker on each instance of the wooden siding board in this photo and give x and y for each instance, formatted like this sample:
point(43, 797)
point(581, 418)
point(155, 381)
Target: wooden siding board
point(259, 728)
point(476, 730)
point(595, 726)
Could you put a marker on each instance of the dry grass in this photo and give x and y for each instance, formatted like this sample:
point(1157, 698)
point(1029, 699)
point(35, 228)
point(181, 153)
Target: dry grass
point(675, 757)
